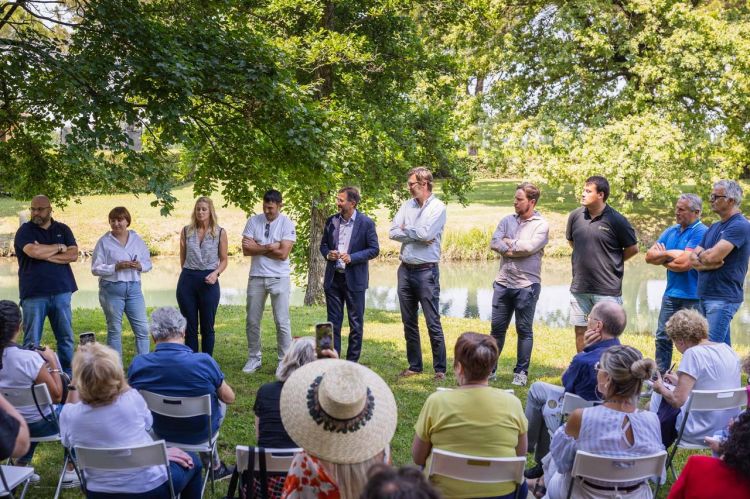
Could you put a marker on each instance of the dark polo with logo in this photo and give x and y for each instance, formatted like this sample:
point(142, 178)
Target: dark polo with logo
point(40, 277)
point(598, 245)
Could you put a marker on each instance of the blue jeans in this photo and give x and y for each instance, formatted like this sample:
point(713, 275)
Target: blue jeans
point(186, 482)
point(41, 428)
point(719, 315)
point(669, 306)
point(421, 286)
point(57, 308)
point(124, 296)
point(198, 302)
point(522, 301)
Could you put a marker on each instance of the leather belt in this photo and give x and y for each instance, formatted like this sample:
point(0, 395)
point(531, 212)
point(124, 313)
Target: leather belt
point(629, 488)
point(419, 266)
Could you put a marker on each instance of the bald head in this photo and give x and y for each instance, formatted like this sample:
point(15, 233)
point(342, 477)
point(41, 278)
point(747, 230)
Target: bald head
point(612, 317)
point(41, 211)
point(40, 199)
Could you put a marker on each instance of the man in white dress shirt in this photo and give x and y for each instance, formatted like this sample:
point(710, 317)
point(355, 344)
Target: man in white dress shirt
point(418, 226)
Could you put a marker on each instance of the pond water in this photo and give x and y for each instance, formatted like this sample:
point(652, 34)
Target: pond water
point(466, 290)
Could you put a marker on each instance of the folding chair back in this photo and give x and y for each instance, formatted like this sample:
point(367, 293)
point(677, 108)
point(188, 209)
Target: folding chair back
point(123, 458)
point(178, 407)
point(13, 476)
point(277, 460)
point(477, 469)
point(616, 470)
point(25, 397)
point(716, 400)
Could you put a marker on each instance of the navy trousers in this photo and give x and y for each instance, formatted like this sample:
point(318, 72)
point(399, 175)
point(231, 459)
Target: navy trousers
point(198, 302)
point(338, 295)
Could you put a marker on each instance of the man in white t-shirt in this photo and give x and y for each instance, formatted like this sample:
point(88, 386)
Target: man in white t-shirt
point(268, 238)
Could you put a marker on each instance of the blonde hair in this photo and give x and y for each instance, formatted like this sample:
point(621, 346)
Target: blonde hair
point(627, 370)
point(687, 325)
point(213, 221)
point(352, 478)
point(98, 374)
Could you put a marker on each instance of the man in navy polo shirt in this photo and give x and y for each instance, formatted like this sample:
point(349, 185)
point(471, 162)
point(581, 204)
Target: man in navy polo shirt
point(173, 369)
point(607, 321)
point(45, 248)
point(721, 261)
point(672, 250)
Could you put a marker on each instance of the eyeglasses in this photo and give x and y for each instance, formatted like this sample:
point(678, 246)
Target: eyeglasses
point(42, 208)
point(268, 229)
point(714, 197)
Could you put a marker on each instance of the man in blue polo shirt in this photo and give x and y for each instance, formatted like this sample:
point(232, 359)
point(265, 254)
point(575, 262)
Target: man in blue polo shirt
point(173, 369)
point(45, 248)
point(606, 322)
point(721, 261)
point(672, 250)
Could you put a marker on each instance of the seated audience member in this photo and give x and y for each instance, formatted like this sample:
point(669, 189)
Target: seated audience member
point(544, 401)
point(343, 415)
point(173, 369)
point(14, 432)
point(111, 414)
point(705, 477)
point(616, 428)
point(269, 430)
point(474, 419)
point(705, 365)
point(22, 368)
point(406, 482)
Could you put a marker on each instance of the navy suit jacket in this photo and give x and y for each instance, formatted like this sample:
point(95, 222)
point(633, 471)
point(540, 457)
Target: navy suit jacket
point(363, 246)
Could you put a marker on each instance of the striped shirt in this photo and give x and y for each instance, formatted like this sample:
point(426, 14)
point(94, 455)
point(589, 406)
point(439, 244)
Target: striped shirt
point(201, 255)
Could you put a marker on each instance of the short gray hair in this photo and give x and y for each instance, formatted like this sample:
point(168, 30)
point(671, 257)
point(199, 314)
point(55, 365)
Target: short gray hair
point(695, 203)
point(301, 352)
point(732, 190)
point(166, 323)
point(612, 315)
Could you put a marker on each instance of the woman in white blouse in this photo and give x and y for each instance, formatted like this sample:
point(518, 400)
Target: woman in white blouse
point(120, 256)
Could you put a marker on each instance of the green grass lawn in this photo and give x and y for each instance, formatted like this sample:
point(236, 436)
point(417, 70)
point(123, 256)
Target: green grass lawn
point(466, 237)
point(383, 351)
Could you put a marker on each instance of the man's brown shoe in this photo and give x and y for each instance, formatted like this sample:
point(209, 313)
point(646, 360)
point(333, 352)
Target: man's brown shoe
point(439, 376)
point(407, 373)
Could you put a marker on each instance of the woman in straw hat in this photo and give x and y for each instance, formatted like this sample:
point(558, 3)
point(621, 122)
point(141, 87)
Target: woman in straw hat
point(343, 415)
point(474, 419)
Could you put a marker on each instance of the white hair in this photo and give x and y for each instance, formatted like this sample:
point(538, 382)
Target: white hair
point(732, 190)
point(166, 323)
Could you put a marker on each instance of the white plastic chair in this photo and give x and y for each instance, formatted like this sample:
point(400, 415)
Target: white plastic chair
point(124, 458)
point(477, 469)
point(12, 477)
point(187, 407)
point(702, 401)
point(616, 470)
point(277, 460)
point(40, 397)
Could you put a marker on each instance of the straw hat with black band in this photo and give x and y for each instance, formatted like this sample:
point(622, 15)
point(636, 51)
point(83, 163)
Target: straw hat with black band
point(338, 410)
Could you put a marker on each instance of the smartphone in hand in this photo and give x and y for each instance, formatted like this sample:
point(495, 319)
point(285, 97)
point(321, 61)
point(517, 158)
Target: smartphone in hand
point(87, 337)
point(323, 336)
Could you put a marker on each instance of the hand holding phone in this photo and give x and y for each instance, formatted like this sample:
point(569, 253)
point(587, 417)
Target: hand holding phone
point(323, 337)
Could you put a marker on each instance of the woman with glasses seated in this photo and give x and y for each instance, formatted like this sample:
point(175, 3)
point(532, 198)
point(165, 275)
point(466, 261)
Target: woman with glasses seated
point(106, 413)
point(616, 428)
point(203, 257)
point(22, 368)
point(120, 256)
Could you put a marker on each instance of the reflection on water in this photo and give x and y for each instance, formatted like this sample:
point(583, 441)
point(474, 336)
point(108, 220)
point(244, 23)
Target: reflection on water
point(466, 290)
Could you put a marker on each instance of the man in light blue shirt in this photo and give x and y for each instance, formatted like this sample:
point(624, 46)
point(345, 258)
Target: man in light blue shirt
point(418, 226)
point(672, 250)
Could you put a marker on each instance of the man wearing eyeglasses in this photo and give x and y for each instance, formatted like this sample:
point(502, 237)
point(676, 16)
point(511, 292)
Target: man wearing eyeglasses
point(268, 238)
point(721, 261)
point(418, 226)
point(45, 248)
point(672, 250)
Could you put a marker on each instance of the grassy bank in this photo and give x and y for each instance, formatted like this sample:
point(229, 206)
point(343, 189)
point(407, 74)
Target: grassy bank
point(384, 352)
point(466, 237)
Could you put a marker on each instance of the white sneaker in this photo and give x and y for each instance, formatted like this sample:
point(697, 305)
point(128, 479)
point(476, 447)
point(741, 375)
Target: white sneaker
point(519, 379)
point(70, 479)
point(251, 366)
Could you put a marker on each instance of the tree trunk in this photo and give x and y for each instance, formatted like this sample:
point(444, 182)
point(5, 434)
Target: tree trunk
point(316, 267)
point(473, 149)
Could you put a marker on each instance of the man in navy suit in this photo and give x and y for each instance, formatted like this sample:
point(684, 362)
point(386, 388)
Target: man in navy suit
point(349, 242)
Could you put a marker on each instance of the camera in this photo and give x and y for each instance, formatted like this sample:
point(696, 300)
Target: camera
point(87, 337)
point(323, 336)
